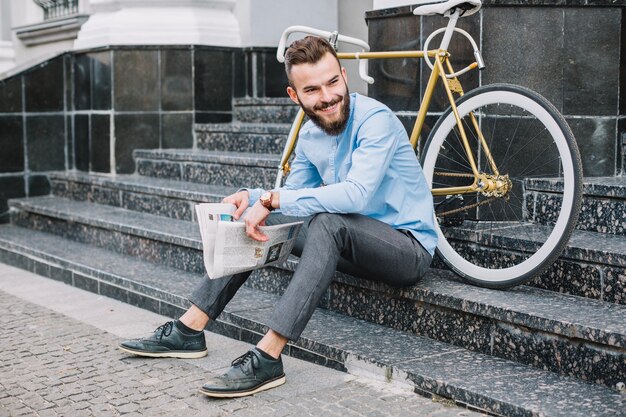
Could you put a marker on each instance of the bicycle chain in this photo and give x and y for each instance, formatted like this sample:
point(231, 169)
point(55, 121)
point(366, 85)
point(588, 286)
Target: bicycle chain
point(465, 208)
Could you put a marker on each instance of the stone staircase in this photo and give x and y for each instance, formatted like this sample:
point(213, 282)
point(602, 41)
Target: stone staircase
point(556, 347)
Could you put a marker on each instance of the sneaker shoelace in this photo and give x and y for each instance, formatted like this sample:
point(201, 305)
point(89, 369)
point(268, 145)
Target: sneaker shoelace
point(244, 359)
point(164, 329)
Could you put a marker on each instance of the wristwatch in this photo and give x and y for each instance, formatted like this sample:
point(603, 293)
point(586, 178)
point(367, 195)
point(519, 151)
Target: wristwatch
point(266, 200)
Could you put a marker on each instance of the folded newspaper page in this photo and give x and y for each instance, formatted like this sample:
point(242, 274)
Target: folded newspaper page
point(227, 248)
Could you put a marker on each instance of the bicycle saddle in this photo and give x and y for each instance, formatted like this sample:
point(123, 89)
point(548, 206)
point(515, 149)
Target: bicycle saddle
point(468, 7)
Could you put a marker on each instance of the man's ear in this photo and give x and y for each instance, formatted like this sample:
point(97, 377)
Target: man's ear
point(344, 74)
point(293, 95)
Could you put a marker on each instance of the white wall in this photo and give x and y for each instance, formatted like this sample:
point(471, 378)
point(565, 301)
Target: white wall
point(352, 23)
point(263, 21)
point(384, 4)
point(5, 20)
point(26, 12)
point(7, 53)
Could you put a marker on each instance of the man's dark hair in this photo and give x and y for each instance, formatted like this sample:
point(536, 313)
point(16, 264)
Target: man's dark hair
point(308, 50)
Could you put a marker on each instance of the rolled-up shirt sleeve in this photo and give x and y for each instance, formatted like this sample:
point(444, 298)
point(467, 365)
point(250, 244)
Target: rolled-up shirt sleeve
point(376, 144)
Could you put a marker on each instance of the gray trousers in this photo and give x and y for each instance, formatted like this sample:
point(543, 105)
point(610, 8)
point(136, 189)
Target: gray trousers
point(352, 243)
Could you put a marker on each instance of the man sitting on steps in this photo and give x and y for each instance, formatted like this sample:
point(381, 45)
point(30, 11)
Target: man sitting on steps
point(370, 214)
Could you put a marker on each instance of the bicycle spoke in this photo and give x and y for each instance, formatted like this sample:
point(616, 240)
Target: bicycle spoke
point(557, 158)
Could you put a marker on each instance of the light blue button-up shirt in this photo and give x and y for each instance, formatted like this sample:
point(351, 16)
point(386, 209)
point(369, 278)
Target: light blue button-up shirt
point(370, 169)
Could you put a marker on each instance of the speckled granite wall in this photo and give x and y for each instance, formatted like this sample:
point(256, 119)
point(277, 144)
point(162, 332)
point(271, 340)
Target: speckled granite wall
point(64, 113)
point(571, 52)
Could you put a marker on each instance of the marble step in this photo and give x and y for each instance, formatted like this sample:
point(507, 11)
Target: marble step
point(591, 266)
point(570, 335)
point(603, 208)
point(423, 365)
point(264, 109)
point(232, 169)
point(243, 137)
point(164, 197)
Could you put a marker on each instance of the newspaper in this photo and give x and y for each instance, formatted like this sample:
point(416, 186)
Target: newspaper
point(228, 250)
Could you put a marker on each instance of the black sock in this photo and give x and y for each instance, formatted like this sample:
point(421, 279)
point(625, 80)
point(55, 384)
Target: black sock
point(266, 355)
point(181, 326)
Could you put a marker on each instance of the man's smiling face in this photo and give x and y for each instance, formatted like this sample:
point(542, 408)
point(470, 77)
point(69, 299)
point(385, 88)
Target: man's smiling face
point(321, 90)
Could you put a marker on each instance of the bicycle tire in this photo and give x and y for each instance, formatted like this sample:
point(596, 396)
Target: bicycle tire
point(472, 243)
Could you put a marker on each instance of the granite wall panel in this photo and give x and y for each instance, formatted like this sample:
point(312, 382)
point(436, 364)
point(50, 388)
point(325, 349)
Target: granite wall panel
point(240, 86)
point(11, 144)
point(213, 79)
point(82, 82)
point(11, 95)
point(101, 74)
point(177, 130)
point(70, 141)
point(100, 146)
point(11, 186)
point(271, 77)
point(176, 79)
point(44, 87)
point(134, 131)
point(69, 85)
point(621, 145)
point(38, 185)
point(92, 81)
point(136, 85)
point(397, 81)
point(590, 78)
point(532, 55)
point(596, 142)
point(81, 135)
point(45, 142)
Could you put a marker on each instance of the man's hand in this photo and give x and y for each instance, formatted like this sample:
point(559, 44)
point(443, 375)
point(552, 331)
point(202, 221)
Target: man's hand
point(240, 200)
point(254, 218)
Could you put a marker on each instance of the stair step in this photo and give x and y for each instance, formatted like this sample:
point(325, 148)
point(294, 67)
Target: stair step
point(232, 169)
point(243, 137)
point(165, 197)
point(264, 109)
point(603, 208)
point(571, 335)
point(172, 242)
point(592, 265)
point(496, 385)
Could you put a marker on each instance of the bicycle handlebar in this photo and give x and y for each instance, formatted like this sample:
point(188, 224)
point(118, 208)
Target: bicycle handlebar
point(280, 53)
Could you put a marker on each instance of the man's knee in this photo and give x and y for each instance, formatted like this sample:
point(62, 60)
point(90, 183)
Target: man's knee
point(327, 222)
point(327, 219)
point(329, 225)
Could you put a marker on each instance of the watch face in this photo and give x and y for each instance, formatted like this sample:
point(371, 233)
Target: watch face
point(266, 199)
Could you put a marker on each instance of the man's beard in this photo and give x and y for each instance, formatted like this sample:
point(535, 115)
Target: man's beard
point(333, 128)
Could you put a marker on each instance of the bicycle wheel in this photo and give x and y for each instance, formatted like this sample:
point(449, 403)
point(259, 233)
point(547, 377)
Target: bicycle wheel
point(502, 237)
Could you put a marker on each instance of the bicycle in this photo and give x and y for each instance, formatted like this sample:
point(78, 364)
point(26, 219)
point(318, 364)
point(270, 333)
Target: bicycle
point(482, 191)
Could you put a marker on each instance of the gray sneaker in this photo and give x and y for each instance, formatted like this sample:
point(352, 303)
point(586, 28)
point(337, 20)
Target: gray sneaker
point(168, 341)
point(250, 373)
